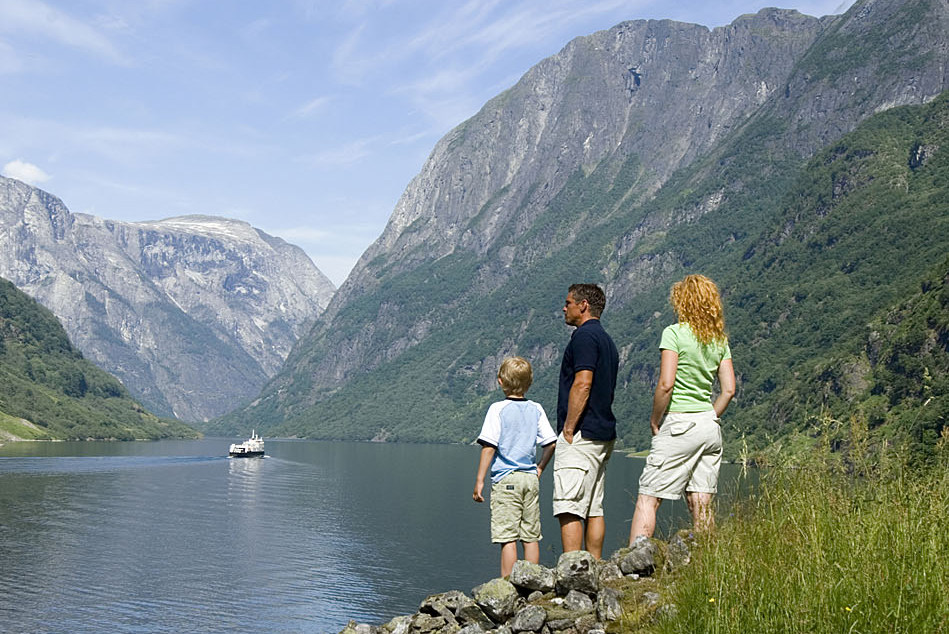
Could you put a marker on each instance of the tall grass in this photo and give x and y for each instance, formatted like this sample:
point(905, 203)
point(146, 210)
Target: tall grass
point(850, 540)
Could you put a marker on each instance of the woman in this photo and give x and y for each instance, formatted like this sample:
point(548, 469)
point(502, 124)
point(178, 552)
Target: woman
point(686, 439)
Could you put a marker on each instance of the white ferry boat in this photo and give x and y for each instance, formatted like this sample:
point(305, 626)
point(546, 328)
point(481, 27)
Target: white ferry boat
point(250, 448)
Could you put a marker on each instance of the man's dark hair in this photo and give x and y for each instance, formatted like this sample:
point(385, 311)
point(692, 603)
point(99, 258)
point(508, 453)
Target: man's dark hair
point(593, 295)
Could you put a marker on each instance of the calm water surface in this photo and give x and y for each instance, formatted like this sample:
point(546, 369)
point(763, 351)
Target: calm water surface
point(173, 536)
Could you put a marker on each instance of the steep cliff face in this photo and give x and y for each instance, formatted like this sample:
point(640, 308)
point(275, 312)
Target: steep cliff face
point(633, 155)
point(193, 314)
point(636, 103)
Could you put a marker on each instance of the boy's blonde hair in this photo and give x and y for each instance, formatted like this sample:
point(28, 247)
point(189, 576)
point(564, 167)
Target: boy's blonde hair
point(515, 375)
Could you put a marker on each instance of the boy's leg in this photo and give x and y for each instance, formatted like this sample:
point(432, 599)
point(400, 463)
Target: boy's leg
point(532, 552)
point(508, 557)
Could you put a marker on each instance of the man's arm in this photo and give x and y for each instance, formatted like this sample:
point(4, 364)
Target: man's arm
point(577, 402)
point(487, 455)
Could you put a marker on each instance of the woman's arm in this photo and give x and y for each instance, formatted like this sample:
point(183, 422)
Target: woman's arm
point(668, 364)
point(726, 379)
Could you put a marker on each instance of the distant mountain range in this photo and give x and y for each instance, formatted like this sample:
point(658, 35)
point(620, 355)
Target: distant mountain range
point(50, 392)
point(800, 162)
point(193, 314)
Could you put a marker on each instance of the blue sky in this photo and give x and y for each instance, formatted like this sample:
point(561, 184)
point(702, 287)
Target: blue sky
point(306, 118)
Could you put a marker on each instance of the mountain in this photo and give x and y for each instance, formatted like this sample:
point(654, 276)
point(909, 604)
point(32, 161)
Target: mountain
point(50, 392)
point(193, 314)
point(630, 158)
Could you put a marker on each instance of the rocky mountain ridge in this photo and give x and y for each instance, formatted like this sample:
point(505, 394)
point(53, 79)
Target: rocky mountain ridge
point(193, 314)
point(634, 155)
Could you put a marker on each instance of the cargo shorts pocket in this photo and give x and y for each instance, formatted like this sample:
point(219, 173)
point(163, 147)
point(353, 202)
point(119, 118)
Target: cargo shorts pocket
point(654, 460)
point(680, 427)
point(568, 483)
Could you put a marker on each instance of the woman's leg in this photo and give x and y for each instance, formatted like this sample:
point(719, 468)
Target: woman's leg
point(644, 519)
point(700, 506)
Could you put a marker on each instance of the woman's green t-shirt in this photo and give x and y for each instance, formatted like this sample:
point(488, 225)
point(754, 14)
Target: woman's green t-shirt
point(697, 369)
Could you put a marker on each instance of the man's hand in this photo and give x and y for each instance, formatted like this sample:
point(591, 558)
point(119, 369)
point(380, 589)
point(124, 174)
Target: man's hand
point(476, 496)
point(568, 436)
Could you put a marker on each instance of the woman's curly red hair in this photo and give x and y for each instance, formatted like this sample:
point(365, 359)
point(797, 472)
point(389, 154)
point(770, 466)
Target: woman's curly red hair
point(697, 302)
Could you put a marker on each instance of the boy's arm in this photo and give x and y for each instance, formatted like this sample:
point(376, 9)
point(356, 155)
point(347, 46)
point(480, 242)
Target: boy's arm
point(487, 455)
point(545, 457)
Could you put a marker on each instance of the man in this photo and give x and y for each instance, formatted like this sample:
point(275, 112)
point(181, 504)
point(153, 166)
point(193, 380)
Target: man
point(585, 421)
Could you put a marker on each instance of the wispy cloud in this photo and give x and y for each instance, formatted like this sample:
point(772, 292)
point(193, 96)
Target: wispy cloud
point(26, 172)
point(311, 107)
point(39, 19)
point(344, 155)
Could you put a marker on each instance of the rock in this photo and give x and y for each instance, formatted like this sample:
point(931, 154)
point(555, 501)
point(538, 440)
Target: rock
point(586, 624)
point(532, 576)
point(640, 558)
point(535, 596)
point(528, 619)
point(444, 604)
point(398, 625)
point(678, 553)
point(474, 628)
point(576, 571)
point(425, 623)
point(650, 599)
point(608, 607)
point(472, 614)
point(577, 601)
point(561, 626)
point(498, 599)
point(608, 571)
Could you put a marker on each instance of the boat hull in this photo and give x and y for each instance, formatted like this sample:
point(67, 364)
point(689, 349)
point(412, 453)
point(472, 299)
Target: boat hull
point(246, 454)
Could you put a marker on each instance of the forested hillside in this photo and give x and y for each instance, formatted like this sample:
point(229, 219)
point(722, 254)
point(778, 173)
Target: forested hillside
point(48, 391)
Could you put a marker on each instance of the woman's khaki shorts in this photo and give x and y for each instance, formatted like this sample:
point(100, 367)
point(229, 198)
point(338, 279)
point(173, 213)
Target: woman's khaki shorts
point(515, 508)
point(685, 456)
point(580, 476)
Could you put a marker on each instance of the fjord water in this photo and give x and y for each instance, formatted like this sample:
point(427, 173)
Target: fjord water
point(173, 536)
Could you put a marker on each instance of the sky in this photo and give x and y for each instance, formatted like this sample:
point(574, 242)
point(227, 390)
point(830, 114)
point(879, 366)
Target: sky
point(304, 118)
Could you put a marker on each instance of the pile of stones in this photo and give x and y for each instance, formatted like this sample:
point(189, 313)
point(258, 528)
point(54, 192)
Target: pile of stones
point(580, 596)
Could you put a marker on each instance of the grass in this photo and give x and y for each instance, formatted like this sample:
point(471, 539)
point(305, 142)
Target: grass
point(849, 540)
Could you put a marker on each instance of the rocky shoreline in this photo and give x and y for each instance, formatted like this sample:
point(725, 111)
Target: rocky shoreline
point(581, 595)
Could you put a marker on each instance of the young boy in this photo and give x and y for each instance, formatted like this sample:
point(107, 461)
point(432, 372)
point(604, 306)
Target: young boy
point(511, 430)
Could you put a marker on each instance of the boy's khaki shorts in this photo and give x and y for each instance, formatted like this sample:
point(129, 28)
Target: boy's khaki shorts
point(515, 508)
point(580, 475)
point(685, 456)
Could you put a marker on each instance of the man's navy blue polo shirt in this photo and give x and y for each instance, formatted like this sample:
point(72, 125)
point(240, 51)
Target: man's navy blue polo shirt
point(590, 348)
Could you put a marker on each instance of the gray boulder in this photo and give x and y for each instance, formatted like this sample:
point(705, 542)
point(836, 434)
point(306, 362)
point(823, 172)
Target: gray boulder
point(678, 553)
point(444, 604)
point(640, 558)
point(398, 625)
point(498, 599)
point(578, 601)
point(532, 576)
point(608, 607)
point(576, 570)
point(608, 571)
point(528, 619)
point(426, 623)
